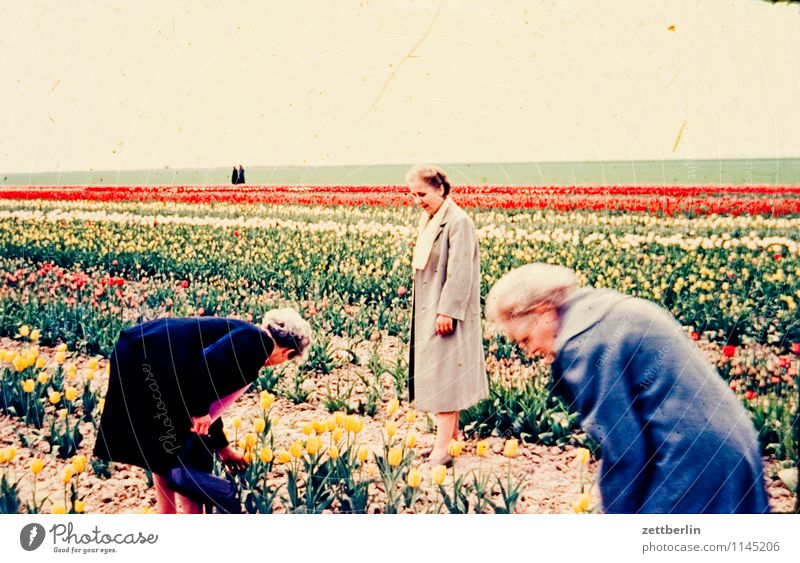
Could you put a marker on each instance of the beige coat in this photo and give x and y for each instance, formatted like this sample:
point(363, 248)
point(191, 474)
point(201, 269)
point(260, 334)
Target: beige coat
point(448, 373)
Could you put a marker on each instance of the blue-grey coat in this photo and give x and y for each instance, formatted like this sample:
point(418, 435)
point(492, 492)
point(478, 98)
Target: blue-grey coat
point(674, 438)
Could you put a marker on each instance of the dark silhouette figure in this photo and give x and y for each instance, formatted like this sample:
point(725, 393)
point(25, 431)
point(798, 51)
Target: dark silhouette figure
point(241, 175)
point(234, 176)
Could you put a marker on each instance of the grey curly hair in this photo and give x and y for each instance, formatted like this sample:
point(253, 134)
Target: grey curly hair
point(521, 290)
point(288, 330)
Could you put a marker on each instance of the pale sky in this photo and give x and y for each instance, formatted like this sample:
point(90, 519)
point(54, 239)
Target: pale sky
point(137, 85)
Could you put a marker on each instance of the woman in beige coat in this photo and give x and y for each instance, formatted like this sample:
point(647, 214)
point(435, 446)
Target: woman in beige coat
point(447, 372)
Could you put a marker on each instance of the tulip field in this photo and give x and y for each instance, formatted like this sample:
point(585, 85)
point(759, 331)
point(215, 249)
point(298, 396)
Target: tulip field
point(336, 434)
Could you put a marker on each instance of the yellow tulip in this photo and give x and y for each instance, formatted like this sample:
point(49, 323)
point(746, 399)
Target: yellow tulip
point(266, 399)
point(78, 463)
point(93, 363)
point(79, 506)
point(259, 425)
point(237, 422)
point(265, 454)
point(62, 413)
point(35, 335)
point(54, 397)
point(248, 456)
point(308, 428)
point(70, 394)
point(395, 456)
point(250, 440)
point(333, 452)
point(61, 347)
point(481, 448)
point(296, 449)
point(61, 357)
point(510, 448)
point(411, 416)
point(391, 428)
point(24, 330)
point(59, 509)
point(273, 422)
point(439, 473)
point(283, 457)
point(411, 440)
point(392, 406)
point(582, 504)
point(7, 454)
point(330, 425)
point(320, 426)
point(67, 474)
point(20, 363)
point(28, 385)
point(414, 478)
point(582, 454)
point(339, 417)
point(37, 465)
point(362, 454)
point(313, 445)
point(337, 435)
point(101, 404)
point(455, 447)
point(43, 377)
point(40, 362)
point(242, 444)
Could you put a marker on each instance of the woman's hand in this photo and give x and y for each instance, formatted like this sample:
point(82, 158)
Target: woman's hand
point(232, 459)
point(444, 325)
point(200, 425)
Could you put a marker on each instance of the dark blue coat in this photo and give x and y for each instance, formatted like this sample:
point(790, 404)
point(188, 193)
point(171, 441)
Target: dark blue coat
point(674, 438)
point(165, 371)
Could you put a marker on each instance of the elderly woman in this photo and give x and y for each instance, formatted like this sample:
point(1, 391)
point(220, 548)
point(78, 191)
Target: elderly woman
point(173, 376)
point(673, 437)
point(446, 365)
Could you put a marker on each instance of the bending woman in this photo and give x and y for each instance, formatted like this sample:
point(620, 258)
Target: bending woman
point(173, 376)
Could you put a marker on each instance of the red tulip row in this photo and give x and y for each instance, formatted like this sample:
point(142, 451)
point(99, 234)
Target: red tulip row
point(666, 200)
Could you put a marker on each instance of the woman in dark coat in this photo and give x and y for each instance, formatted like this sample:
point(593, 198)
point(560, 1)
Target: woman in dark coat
point(167, 374)
point(234, 176)
point(673, 437)
point(240, 179)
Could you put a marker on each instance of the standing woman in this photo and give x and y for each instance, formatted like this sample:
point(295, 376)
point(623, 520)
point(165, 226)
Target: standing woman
point(447, 372)
point(172, 377)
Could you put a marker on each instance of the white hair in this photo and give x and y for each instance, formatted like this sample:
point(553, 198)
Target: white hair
point(521, 290)
point(288, 329)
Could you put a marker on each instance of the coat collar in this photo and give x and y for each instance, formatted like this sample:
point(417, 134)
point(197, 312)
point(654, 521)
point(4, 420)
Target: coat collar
point(582, 310)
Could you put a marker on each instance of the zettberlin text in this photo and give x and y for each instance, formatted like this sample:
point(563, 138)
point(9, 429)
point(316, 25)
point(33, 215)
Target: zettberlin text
point(669, 530)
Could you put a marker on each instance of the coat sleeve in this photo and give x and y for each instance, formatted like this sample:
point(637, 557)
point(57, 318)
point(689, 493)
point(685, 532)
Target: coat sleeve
point(594, 378)
point(460, 266)
point(225, 366)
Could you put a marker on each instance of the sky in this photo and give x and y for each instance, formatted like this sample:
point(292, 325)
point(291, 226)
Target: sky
point(106, 85)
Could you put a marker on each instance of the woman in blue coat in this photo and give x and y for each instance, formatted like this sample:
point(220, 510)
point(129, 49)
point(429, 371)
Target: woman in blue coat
point(172, 376)
point(673, 437)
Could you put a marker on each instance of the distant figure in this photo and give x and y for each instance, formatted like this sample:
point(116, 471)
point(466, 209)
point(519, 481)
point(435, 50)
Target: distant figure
point(234, 176)
point(241, 175)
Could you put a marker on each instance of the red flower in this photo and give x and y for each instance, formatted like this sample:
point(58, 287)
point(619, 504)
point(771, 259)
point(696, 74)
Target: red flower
point(729, 350)
point(401, 291)
point(733, 384)
point(236, 233)
point(796, 347)
point(750, 395)
point(184, 284)
point(695, 335)
point(777, 256)
point(775, 379)
point(114, 262)
point(783, 361)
